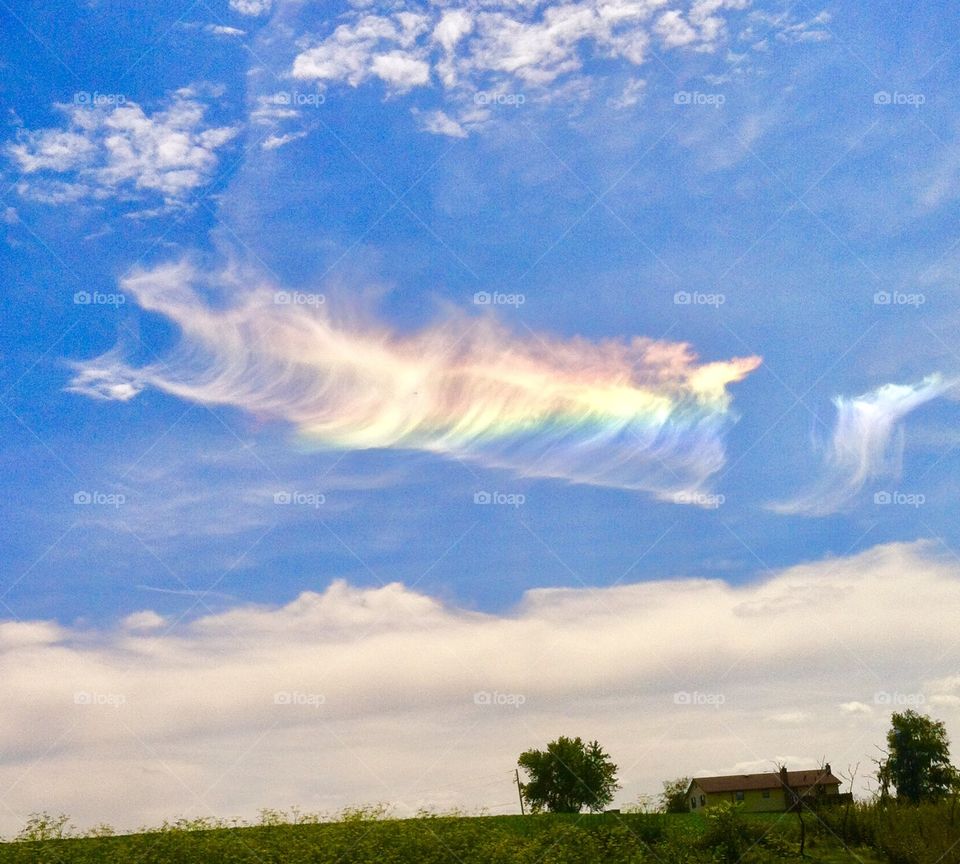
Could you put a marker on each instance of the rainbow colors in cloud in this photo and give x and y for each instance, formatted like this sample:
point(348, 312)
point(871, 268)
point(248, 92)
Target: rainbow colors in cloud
point(637, 414)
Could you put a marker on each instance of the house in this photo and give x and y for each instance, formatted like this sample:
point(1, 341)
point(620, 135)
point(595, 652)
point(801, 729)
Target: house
point(772, 791)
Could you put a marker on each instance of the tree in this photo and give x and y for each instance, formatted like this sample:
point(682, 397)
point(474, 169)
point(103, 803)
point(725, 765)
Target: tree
point(568, 776)
point(673, 799)
point(918, 758)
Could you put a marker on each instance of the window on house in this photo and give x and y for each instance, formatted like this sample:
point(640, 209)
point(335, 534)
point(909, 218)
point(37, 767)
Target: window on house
point(739, 796)
point(766, 793)
point(703, 800)
point(693, 802)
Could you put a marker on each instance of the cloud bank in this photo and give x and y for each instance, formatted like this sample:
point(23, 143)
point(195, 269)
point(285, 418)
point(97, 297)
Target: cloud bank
point(864, 445)
point(351, 696)
point(636, 414)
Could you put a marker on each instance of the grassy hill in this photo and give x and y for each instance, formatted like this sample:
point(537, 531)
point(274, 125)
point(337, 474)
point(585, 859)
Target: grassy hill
point(542, 839)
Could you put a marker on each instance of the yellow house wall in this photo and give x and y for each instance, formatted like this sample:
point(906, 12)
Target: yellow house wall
point(753, 800)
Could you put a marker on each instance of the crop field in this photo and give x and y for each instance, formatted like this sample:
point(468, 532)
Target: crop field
point(542, 839)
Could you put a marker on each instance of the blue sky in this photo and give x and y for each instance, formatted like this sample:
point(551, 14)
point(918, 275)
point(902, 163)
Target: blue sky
point(192, 189)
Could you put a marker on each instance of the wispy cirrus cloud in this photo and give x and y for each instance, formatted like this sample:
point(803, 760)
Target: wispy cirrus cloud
point(112, 148)
point(637, 414)
point(864, 445)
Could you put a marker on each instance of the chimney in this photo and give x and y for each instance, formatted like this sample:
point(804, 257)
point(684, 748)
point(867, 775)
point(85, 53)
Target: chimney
point(826, 769)
point(783, 774)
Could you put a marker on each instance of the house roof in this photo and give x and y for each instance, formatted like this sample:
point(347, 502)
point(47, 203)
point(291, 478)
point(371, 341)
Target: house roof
point(767, 780)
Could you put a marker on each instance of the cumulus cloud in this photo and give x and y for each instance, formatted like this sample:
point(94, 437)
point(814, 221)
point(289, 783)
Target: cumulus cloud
point(354, 695)
point(113, 148)
point(864, 445)
point(440, 124)
point(637, 414)
point(535, 43)
point(251, 7)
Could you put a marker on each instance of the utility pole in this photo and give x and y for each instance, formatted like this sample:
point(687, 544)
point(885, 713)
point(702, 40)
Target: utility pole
point(516, 773)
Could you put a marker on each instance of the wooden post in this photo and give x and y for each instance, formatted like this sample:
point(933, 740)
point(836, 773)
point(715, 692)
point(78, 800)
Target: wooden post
point(516, 773)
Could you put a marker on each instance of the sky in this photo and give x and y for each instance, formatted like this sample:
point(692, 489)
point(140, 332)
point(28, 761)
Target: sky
point(388, 388)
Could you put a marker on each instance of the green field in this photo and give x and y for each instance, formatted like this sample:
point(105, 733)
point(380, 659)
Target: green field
point(542, 839)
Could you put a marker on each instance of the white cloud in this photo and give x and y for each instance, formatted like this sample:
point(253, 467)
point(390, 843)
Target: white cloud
point(145, 620)
point(251, 7)
point(274, 142)
point(453, 25)
point(531, 43)
point(118, 150)
point(374, 690)
point(632, 93)
point(863, 446)
point(855, 708)
point(400, 71)
point(439, 123)
point(674, 30)
point(222, 30)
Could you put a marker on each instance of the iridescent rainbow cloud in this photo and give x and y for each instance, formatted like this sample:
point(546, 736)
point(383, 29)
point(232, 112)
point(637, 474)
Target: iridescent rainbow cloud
point(637, 414)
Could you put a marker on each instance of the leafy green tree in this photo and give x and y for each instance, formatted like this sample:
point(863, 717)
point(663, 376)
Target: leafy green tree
point(568, 776)
point(673, 799)
point(918, 759)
